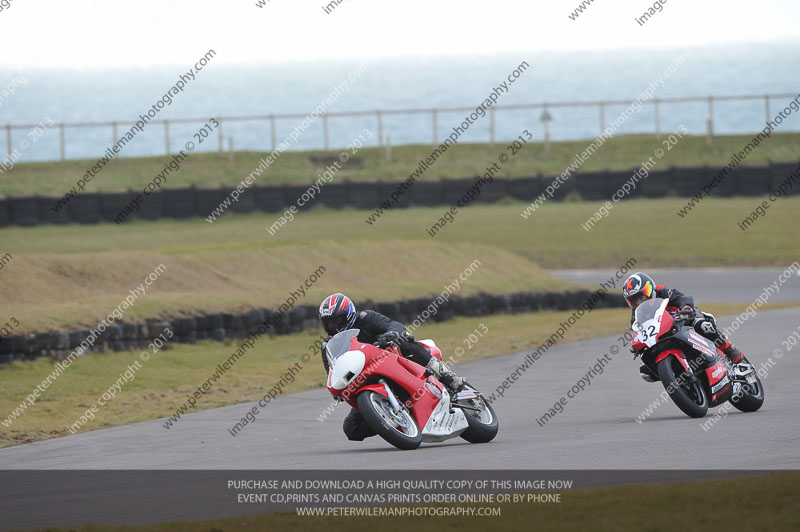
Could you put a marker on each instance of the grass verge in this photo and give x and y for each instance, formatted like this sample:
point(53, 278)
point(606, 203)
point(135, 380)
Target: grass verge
point(551, 237)
point(464, 160)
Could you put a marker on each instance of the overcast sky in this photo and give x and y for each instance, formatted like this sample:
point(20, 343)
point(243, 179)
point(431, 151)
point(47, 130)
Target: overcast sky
point(155, 32)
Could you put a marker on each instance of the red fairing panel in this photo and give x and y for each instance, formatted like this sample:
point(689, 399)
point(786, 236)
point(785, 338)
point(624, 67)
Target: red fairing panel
point(666, 323)
point(674, 352)
point(716, 373)
point(423, 399)
point(407, 374)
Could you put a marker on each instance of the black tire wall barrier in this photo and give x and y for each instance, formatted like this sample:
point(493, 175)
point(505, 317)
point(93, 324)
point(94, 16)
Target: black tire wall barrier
point(191, 202)
point(222, 327)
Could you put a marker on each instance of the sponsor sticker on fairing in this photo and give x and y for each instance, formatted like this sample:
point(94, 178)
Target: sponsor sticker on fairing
point(697, 337)
point(719, 385)
point(466, 394)
point(703, 348)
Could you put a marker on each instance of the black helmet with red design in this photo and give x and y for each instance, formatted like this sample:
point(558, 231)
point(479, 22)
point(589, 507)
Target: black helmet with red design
point(638, 288)
point(337, 313)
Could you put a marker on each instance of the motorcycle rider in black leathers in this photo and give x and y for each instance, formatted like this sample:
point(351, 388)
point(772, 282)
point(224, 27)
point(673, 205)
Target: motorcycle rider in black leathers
point(338, 313)
point(640, 287)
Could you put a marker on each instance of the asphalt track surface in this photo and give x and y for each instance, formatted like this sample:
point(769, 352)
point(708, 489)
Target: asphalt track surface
point(596, 430)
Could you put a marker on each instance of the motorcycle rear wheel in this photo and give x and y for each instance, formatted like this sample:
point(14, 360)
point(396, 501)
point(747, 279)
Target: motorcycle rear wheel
point(688, 396)
point(752, 395)
point(483, 426)
point(399, 430)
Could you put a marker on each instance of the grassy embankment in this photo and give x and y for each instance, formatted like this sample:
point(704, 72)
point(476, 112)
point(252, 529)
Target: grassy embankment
point(75, 275)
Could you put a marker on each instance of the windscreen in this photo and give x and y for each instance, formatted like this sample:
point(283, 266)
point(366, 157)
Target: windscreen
point(648, 310)
point(340, 344)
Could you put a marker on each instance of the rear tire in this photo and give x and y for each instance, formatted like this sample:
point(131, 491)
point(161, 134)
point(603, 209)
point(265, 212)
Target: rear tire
point(689, 397)
point(483, 429)
point(402, 432)
point(752, 394)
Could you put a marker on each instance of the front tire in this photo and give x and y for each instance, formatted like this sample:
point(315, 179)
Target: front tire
point(399, 430)
point(752, 394)
point(688, 396)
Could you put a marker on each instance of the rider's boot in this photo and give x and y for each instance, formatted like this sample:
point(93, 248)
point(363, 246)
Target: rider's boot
point(445, 375)
point(732, 352)
point(646, 374)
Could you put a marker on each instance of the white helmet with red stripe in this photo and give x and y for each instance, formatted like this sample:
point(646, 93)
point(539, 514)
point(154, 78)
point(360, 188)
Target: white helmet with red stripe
point(337, 313)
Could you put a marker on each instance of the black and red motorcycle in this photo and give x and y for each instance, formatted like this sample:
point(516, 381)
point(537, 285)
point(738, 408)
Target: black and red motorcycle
point(695, 373)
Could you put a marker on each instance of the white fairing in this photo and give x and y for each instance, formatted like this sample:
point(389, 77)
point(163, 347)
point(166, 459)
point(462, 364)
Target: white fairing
point(648, 331)
point(443, 425)
point(345, 369)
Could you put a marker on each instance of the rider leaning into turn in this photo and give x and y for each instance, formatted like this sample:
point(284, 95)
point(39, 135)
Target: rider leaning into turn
point(338, 313)
point(640, 287)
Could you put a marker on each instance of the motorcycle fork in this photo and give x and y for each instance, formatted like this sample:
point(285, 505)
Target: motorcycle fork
point(390, 394)
point(690, 370)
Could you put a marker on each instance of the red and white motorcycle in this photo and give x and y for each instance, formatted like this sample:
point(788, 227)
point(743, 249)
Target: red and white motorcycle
point(401, 400)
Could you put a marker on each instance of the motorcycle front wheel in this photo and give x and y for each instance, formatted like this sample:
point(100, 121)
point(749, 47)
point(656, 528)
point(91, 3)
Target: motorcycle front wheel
point(397, 428)
point(688, 396)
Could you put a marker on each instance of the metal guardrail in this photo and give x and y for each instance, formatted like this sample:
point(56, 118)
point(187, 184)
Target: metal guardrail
point(379, 114)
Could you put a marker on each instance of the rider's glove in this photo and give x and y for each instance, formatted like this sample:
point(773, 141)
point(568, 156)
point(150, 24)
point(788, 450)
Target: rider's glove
point(387, 339)
point(407, 336)
point(688, 311)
